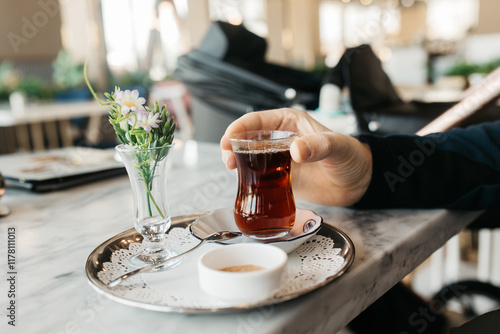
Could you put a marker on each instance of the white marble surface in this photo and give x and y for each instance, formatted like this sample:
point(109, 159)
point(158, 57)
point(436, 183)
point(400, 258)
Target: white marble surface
point(55, 232)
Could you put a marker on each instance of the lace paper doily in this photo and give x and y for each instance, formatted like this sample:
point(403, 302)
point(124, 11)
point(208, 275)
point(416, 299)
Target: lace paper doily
point(308, 266)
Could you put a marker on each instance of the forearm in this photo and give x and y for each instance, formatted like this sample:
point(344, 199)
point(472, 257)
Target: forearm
point(455, 169)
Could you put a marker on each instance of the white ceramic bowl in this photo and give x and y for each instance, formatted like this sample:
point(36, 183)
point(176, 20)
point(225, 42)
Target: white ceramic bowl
point(242, 287)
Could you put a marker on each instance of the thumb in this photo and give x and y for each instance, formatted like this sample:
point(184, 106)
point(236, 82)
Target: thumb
point(318, 146)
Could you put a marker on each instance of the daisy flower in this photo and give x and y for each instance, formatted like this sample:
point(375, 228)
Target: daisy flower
point(149, 121)
point(130, 101)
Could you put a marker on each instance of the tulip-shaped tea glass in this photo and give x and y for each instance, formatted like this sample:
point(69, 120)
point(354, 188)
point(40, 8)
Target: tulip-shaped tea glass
point(264, 207)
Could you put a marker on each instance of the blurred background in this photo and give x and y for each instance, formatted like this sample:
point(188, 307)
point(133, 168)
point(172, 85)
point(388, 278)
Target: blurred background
point(430, 49)
point(394, 65)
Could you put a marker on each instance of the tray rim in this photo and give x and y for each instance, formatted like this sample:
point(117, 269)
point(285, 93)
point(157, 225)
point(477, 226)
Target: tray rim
point(185, 221)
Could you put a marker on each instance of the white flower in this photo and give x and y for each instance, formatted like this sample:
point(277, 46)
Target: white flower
point(130, 101)
point(149, 121)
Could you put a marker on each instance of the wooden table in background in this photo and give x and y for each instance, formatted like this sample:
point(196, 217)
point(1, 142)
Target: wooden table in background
point(46, 125)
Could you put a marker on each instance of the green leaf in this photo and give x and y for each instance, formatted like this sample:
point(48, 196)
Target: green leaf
point(109, 96)
point(166, 128)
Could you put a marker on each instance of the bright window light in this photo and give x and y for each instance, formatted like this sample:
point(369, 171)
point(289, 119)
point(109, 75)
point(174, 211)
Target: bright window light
point(450, 19)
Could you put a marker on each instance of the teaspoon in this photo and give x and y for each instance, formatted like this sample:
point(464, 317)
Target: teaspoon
point(214, 237)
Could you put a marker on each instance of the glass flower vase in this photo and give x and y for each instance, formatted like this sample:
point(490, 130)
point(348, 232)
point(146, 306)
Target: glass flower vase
point(147, 171)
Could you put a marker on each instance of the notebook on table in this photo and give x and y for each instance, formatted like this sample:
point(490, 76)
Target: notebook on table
point(59, 168)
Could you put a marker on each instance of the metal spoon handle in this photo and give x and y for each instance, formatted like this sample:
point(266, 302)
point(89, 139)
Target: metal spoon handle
point(150, 268)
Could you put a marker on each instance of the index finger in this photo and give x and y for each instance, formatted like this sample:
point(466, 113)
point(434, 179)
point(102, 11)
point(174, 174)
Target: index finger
point(276, 119)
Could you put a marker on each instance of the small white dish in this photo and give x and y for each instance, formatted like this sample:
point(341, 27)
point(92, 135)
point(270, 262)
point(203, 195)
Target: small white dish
point(245, 287)
point(307, 224)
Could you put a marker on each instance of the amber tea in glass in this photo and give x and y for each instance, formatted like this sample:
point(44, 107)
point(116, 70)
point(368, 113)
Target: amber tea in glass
point(265, 206)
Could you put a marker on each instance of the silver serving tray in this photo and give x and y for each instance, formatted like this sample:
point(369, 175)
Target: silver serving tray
point(103, 253)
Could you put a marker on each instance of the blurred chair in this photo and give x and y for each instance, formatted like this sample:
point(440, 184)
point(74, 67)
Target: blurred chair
point(227, 76)
point(478, 105)
point(380, 110)
point(45, 126)
point(35, 136)
point(478, 291)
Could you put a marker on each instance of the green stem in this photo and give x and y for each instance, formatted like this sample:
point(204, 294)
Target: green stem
point(150, 196)
point(94, 94)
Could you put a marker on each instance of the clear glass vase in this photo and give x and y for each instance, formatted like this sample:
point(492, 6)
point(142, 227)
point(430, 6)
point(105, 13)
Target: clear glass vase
point(147, 171)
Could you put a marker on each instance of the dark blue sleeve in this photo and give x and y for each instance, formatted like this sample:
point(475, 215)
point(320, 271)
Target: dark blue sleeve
point(456, 169)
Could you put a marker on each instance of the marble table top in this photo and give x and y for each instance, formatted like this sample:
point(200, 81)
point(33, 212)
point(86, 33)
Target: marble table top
point(55, 232)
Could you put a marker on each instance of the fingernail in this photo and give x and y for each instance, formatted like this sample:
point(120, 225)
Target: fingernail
point(303, 148)
point(225, 156)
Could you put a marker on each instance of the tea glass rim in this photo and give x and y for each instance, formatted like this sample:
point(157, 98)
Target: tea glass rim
point(242, 136)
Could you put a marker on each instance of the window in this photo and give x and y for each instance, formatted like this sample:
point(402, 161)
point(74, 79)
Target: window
point(251, 13)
